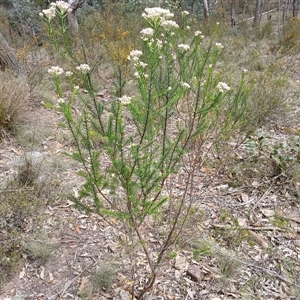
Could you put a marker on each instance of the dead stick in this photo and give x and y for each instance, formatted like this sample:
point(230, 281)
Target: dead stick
point(252, 228)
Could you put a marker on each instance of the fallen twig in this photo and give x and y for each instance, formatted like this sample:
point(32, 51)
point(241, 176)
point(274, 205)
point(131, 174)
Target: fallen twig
point(252, 228)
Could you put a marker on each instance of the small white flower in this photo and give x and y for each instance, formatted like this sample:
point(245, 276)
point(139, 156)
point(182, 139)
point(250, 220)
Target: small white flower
point(210, 66)
point(184, 47)
point(83, 68)
point(218, 23)
point(198, 32)
point(69, 73)
point(53, 4)
point(159, 43)
point(185, 13)
point(136, 75)
point(202, 36)
point(245, 71)
point(143, 65)
point(55, 70)
point(188, 27)
point(125, 100)
point(76, 87)
point(219, 46)
point(169, 88)
point(134, 55)
point(146, 76)
point(61, 100)
point(169, 24)
point(223, 87)
point(185, 85)
point(63, 6)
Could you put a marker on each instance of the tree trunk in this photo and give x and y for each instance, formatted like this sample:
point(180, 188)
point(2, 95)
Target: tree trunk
point(205, 9)
point(295, 8)
point(8, 58)
point(232, 14)
point(72, 18)
point(257, 13)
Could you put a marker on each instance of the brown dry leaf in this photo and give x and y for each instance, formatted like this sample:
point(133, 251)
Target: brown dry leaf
point(22, 273)
point(114, 221)
point(268, 212)
point(42, 274)
point(297, 243)
point(244, 197)
point(50, 279)
point(78, 230)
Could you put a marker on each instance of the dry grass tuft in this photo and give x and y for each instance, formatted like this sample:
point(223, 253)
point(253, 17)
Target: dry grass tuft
point(13, 94)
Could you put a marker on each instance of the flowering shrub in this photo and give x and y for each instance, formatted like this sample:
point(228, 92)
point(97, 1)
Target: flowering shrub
point(148, 136)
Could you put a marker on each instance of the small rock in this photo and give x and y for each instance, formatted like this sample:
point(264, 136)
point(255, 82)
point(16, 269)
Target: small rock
point(124, 295)
point(268, 212)
point(180, 262)
point(195, 273)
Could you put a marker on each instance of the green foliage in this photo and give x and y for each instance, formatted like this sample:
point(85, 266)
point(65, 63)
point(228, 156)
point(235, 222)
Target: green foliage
point(147, 136)
point(282, 157)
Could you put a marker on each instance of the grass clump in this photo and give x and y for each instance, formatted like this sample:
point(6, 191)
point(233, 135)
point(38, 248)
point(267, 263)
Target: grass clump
point(16, 207)
point(29, 168)
point(38, 250)
point(13, 95)
point(102, 279)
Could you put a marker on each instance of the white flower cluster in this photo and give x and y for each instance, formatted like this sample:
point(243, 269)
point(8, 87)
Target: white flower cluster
point(55, 70)
point(142, 64)
point(184, 47)
point(48, 13)
point(125, 100)
point(219, 46)
point(185, 13)
point(223, 87)
point(157, 14)
point(169, 24)
point(69, 73)
point(83, 68)
point(63, 6)
point(134, 55)
point(147, 33)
